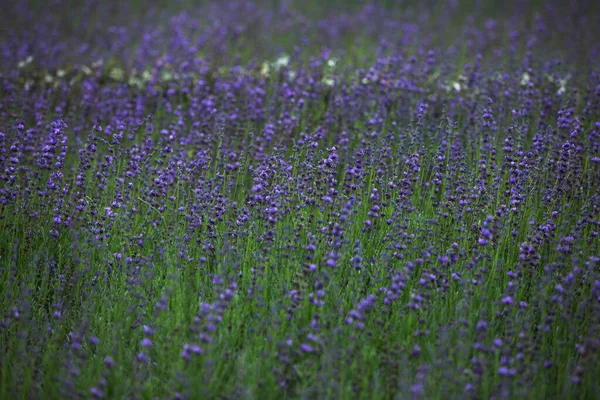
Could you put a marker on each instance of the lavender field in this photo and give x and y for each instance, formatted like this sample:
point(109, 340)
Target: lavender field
point(269, 200)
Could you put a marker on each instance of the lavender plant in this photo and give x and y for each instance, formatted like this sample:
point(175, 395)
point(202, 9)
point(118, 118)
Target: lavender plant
point(243, 200)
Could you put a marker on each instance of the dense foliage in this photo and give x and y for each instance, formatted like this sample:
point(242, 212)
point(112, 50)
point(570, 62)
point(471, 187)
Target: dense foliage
point(242, 200)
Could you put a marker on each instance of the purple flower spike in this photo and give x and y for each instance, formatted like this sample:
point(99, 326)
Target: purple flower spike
point(306, 348)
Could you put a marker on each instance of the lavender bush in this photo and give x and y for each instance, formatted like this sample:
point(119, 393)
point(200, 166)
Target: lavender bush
point(246, 200)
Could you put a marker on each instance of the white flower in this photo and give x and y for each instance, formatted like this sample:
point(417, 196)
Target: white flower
point(117, 73)
point(328, 81)
point(282, 61)
point(563, 84)
point(86, 70)
point(25, 62)
point(265, 69)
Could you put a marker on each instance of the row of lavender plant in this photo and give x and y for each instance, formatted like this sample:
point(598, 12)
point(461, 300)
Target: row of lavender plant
point(415, 216)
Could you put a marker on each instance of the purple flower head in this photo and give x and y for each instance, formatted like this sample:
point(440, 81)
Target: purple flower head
point(109, 362)
point(507, 300)
point(306, 348)
point(96, 393)
point(148, 331)
point(482, 326)
point(505, 371)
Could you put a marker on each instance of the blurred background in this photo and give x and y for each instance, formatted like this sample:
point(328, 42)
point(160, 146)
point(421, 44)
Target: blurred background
point(60, 34)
